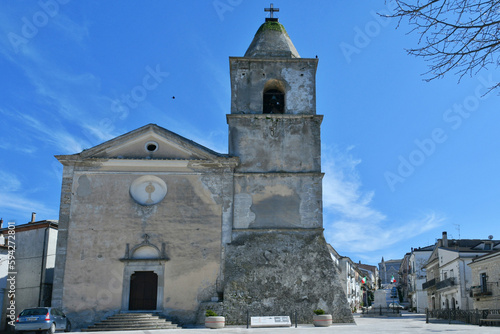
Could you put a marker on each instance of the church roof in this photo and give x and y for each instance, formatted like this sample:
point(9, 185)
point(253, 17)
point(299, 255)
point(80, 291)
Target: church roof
point(134, 145)
point(270, 41)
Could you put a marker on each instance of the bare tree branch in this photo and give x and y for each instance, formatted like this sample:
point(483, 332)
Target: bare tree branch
point(462, 36)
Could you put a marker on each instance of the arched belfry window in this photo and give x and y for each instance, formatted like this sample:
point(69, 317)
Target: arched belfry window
point(273, 100)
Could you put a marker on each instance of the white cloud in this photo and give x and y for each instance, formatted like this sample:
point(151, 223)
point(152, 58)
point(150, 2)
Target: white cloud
point(74, 31)
point(72, 97)
point(341, 187)
point(28, 149)
point(12, 202)
point(9, 182)
point(54, 135)
point(365, 236)
point(50, 132)
point(102, 131)
point(351, 222)
point(18, 205)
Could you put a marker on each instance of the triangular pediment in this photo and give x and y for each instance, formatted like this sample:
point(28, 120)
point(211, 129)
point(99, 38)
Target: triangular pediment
point(150, 142)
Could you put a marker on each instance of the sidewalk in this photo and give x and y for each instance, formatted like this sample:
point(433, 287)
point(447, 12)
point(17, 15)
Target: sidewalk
point(408, 323)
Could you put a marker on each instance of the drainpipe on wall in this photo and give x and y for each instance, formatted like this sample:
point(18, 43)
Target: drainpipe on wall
point(465, 285)
point(42, 269)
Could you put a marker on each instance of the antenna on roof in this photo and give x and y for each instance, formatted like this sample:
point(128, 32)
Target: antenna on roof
point(490, 237)
point(457, 227)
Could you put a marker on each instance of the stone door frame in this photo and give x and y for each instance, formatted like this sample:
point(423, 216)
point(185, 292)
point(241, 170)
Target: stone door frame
point(131, 266)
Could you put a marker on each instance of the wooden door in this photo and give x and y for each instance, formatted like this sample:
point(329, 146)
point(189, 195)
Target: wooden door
point(143, 290)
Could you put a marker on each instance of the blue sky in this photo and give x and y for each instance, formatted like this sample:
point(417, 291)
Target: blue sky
point(404, 159)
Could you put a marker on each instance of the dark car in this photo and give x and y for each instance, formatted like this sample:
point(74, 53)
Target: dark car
point(40, 319)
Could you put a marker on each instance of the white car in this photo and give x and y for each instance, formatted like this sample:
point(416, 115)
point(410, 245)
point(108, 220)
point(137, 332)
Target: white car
point(394, 306)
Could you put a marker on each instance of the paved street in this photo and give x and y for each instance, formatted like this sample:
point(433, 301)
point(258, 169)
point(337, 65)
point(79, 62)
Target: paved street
point(408, 323)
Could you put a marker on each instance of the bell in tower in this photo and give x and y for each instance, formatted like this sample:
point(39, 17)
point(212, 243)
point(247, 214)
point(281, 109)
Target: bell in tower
point(273, 102)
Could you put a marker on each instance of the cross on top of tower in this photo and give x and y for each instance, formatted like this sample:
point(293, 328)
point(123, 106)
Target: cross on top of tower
point(272, 10)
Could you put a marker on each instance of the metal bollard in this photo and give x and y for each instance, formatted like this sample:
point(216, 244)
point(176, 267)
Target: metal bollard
point(426, 315)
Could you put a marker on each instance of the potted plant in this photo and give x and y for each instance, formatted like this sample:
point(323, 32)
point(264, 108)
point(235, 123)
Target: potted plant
point(320, 319)
point(212, 320)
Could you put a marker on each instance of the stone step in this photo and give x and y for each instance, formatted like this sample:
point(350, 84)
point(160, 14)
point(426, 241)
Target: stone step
point(100, 329)
point(135, 315)
point(134, 322)
point(136, 318)
point(131, 321)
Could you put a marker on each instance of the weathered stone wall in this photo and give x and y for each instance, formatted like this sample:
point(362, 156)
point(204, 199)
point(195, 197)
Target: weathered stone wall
point(276, 143)
point(277, 200)
point(249, 77)
point(280, 272)
point(490, 266)
point(106, 221)
point(62, 236)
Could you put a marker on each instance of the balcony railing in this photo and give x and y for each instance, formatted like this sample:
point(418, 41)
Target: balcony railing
point(445, 283)
point(482, 290)
point(429, 284)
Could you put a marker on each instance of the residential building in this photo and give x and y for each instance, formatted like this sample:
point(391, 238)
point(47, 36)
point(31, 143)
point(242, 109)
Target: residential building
point(370, 275)
point(350, 278)
point(449, 278)
point(403, 280)
point(417, 276)
point(35, 252)
point(485, 289)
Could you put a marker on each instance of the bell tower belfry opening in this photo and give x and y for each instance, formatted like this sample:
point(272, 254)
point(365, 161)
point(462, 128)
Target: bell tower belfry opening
point(273, 102)
point(278, 258)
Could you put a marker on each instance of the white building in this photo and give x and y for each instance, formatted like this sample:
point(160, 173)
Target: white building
point(449, 278)
point(350, 278)
point(416, 277)
point(35, 252)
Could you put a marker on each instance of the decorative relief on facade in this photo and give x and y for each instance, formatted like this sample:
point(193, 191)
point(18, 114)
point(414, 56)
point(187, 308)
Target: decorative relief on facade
point(148, 190)
point(145, 251)
point(274, 128)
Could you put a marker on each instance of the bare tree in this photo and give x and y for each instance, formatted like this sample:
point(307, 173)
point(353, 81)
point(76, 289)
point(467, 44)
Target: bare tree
point(462, 36)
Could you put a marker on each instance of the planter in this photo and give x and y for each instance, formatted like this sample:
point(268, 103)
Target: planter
point(323, 320)
point(215, 322)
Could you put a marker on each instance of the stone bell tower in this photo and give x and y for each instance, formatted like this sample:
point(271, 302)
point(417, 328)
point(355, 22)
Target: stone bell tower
point(277, 261)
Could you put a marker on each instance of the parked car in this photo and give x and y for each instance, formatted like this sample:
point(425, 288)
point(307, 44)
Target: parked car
point(395, 306)
point(40, 319)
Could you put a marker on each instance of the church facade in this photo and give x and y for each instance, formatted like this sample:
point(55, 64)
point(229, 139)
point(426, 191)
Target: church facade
point(152, 221)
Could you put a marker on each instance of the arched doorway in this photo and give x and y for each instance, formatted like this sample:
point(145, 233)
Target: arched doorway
point(143, 290)
point(143, 276)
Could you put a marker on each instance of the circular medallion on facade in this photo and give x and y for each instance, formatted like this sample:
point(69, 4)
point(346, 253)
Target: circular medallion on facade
point(148, 190)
